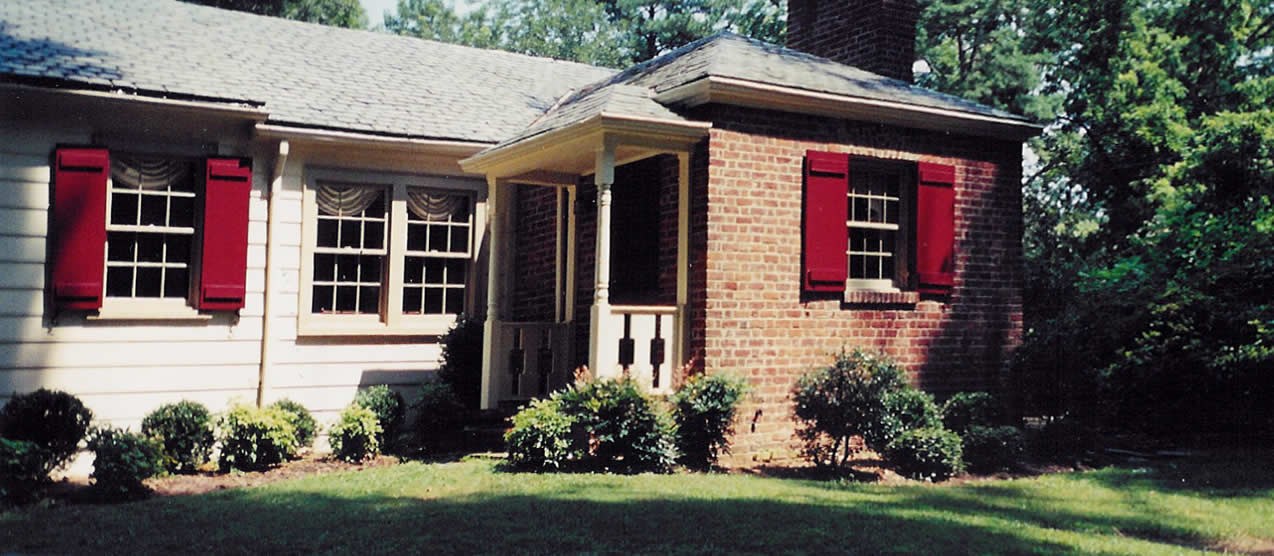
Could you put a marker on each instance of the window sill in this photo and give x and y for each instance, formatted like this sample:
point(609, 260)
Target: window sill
point(869, 297)
point(318, 326)
point(142, 313)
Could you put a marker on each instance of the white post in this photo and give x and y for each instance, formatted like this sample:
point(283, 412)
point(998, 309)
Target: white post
point(490, 397)
point(570, 254)
point(682, 334)
point(602, 353)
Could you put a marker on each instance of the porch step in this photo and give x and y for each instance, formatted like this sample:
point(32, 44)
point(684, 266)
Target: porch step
point(485, 430)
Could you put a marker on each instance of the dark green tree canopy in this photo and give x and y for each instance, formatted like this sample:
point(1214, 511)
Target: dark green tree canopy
point(339, 13)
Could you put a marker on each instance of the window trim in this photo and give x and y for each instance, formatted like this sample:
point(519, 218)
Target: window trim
point(390, 320)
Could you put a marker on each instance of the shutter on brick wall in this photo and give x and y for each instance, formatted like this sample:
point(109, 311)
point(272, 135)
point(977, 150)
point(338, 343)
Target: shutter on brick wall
point(935, 228)
point(825, 213)
point(223, 270)
point(79, 227)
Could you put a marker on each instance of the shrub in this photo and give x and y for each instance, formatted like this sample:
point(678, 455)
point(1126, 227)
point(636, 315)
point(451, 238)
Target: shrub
point(926, 454)
point(970, 409)
point(389, 409)
point(356, 436)
point(844, 400)
point(123, 460)
point(22, 472)
point(627, 431)
point(991, 449)
point(302, 421)
point(704, 409)
point(255, 438)
point(1064, 439)
point(461, 361)
point(51, 419)
point(543, 437)
point(184, 429)
point(439, 415)
point(904, 410)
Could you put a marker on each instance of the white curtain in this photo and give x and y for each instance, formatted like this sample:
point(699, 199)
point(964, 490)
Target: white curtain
point(345, 200)
point(129, 172)
point(435, 206)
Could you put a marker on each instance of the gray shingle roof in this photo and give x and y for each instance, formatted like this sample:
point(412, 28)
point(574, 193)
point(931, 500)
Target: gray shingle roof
point(611, 98)
point(301, 73)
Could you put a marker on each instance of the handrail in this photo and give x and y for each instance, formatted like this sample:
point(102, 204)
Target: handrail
point(644, 309)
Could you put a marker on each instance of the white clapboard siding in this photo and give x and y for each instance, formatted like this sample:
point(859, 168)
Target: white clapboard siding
point(71, 329)
point(21, 249)
point(101, 381)
point(21, 302)
point(129, 353)
point(309, 375)
point(24, 222)
point(369, 354)
point(23, 275)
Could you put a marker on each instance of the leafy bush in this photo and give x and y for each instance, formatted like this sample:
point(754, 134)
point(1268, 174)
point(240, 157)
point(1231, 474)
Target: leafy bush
point(51, 419)
point(926, 454)
point(844, 400)
point(543, 437)
point(627, 431)
point(255, 438)
point(905, 409)
point(389, 409)
point(439, 415)
point(991, 449)
point(970, 409)
point(22, 473)
point(184, 429)
point(123, 460)
point(704, 409)
point(302, 421)
point(1064, 439)
point(356, 436)
point(461, 361)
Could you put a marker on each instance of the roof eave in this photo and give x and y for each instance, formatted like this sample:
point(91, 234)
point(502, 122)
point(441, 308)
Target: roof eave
point(752, 94)
point(327, 136)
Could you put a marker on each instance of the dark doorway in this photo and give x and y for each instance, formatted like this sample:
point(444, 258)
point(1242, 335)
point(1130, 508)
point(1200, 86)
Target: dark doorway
point(634, 260)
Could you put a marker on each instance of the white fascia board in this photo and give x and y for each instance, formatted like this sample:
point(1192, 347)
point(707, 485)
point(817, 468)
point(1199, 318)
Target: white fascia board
point(310, 135)
point(230, 108)
point(741, 92)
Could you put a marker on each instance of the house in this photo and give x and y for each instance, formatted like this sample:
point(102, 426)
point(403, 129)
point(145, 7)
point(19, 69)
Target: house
point(213, 205)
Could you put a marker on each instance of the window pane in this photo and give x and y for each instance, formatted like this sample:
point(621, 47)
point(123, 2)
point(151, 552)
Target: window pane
point(415, 237)
point(460, 240)
point(455, 271)
point(324, 267)
point(176, 282)
point(433, 271)
point(154, 210)
point(124, 209)
point(462, 211)
point(120, 246)
point(369, 269)
point(150, 248)
point(859, 210)
point(877, 211)
point(119, 282)
point(433, 301)
point(322, 302)
point(414, 271)
point(148, 281)
point(347, 298)
point(182, 213)
point(373, 235)
point(856, 266)
point(327, 231)
point(455, 301)
point(411, 300)
point(438, 238)
point(369, 299)
point(377, 208)
point(891, 212)
point(350, 234)
point(178, 248)
point(347, 268)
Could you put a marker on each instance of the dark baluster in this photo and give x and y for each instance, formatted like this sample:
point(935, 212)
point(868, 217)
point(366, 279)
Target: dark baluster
point(544, 361)
point(657, 350)
point(627, 346)
point(517, 359)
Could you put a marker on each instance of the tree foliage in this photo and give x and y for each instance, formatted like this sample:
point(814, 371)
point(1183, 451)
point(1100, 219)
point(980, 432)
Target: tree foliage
point(338, 13)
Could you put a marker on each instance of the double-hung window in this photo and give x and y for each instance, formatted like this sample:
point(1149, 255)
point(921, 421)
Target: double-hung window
point(148, 236)
point(878, 227)
point(387, 255)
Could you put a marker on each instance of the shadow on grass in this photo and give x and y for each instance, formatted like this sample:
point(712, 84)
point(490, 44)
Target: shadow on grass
point(1233, 473)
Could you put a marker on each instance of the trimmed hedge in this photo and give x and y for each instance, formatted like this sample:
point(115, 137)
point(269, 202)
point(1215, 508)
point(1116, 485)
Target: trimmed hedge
point(704, 409)
point(302, 421)
point(255, 438)
point(356, 436)
point(51, 419)
point(122, 461)
point(926, 454)
point(390, 411)
point(184, 430)
point(970, 409)
point(543, 437)
point(991, 449)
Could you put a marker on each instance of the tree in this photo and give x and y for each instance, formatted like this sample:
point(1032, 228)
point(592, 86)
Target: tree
point(338, 13)
point(437, 20)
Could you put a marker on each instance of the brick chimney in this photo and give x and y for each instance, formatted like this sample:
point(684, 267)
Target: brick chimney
point(875, 35)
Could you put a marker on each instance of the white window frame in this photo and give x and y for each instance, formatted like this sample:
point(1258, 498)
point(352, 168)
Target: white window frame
point(903, 229)
point(390, 320)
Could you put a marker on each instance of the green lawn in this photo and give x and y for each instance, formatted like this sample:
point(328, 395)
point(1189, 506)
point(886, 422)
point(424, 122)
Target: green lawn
point(470, 507)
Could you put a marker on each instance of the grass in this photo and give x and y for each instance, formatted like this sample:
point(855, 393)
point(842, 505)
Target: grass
point(470, 507)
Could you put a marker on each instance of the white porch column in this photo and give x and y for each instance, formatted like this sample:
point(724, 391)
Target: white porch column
point(490, 396)
point(602, 354)
point(682, 351)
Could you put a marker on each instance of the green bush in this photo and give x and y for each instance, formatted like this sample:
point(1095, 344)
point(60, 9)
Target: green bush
point(255, 438)
point(926, 454)
point(389, 409)
point(970, 409)
point(844, 400)
point(991, 449)
point(1063, 440)
point(51, 419)
point(461, 362)
point(122, 461)
point(356, 436)
point(905, 409)
point(543, 437)
point(439, 416)
point(22, 473)
point(704, 409)
point(184, 429)
point(627, 431)
point(302, 421)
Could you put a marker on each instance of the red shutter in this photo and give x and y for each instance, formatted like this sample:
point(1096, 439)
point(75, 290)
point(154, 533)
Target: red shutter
point(935, 228)
point(223, 271)
point(79, 227)
point(826, 211)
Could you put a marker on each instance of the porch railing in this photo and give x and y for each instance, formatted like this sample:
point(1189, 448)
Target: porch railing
point(531, 358)
point(646, 337)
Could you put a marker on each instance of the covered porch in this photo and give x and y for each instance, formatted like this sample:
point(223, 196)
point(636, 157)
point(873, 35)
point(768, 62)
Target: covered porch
point(612, 254)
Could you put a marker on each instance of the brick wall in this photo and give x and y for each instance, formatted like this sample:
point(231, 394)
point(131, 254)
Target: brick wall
point(535, 253)
point(876, 35)
point(748, 312)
